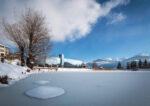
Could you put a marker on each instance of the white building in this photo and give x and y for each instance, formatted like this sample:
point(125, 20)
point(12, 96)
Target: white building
point(4, 50)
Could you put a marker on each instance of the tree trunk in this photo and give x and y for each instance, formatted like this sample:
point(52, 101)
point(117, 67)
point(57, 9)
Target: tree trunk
point(22, 57)
point(29, 58)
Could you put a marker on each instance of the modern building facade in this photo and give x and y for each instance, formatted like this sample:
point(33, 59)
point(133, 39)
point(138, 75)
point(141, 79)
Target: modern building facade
point(61, 56)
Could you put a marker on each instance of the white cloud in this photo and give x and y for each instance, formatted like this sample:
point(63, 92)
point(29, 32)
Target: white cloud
point(68, 19)
point(116, 17)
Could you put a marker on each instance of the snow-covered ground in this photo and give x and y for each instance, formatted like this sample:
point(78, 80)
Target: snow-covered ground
point(13, 72)
point(16, 73)
point(82, 89)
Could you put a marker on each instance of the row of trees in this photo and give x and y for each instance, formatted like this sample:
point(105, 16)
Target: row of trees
point(138, 64)
point(31, 35)
point(135, 64)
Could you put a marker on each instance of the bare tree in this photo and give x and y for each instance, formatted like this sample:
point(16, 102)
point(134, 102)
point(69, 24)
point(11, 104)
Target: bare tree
point(14, 33)
point(37, 33)
point(32, 34)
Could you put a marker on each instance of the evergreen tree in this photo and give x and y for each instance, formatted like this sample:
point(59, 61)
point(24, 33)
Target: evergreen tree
point(128, 65)
point(145, 63)
point(119, 65)
point(133, 65)
point(140, 64)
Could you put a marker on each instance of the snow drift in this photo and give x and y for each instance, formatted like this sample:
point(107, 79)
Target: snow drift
point(45, 92)
point(13, 72)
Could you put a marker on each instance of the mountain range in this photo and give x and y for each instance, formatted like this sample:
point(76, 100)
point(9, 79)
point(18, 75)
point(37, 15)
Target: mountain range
point(111, 63)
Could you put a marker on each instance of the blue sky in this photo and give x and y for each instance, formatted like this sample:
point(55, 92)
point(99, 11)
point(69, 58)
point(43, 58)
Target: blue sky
point(90, 29)
point(121, 39)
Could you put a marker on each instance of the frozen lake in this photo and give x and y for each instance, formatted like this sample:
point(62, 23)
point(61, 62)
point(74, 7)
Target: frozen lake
point(83, 89)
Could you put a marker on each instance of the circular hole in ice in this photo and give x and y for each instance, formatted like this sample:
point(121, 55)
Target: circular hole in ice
point(45, 92)
point(41, 82)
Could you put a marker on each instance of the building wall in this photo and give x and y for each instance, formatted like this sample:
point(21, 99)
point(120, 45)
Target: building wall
point(61, 56)
point(4, 50)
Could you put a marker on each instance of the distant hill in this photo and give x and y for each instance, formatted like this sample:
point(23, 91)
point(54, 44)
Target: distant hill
point(112, 63)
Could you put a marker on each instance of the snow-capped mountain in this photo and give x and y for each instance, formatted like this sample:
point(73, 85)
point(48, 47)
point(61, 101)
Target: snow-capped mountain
point(112, 62)
point(56, 60)
point(73, 61)
point(137, 57)
point(106, 61)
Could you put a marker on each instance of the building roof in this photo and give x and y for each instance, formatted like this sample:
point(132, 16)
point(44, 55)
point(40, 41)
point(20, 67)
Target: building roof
point(4, 45)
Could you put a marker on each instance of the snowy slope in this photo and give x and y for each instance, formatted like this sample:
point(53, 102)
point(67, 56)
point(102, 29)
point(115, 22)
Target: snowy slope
point(13, 72)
